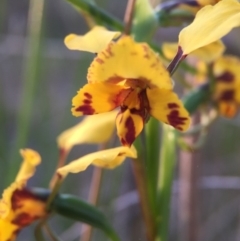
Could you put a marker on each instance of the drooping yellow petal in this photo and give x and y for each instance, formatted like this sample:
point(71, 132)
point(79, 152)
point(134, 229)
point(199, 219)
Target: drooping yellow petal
point(127, 59)
point(110, 158)
point(94, 41)
point(207, 53)
point(95, 98)
point(166, 107)
point(30, 160)
point(18, 206)
point(93, 129)
point(210, 24)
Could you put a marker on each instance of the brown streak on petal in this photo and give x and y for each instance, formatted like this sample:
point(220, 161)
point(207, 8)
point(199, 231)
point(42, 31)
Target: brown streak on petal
point(130, 134)
point(226, 77)
point(100, 61)
point(85, 109)
point(175, 120)
point(87, 95)
point(173, 105)
point(115, 79)
point(227, 95)
point(87, 102)
point(19, 195)
point(24, 219)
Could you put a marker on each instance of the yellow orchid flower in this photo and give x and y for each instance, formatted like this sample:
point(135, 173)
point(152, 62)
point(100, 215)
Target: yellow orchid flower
point(210, 24)
point(109, 158)
point(94, 41)
point(227, 85)
point(131, 76)
point(18, 206)
point(94, 129)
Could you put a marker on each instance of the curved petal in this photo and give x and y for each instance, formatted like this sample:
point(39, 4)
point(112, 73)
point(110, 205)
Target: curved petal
point(93, 129)
point(30, 160)
point(94, 41)
point(207, 53)
point(110, 158)
point(166, 107)
point(129, 126)
point(97, 98)
point(127, 59)
point(210, 24)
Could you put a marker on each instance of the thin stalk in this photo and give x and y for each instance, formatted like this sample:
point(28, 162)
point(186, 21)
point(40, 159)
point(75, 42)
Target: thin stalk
point(50, 233)
point(95, 188)
point(189, 162)
point(31, 71)
point(93, 199)
point(63, 154)
point(128, 18)
point(139, 174)
point(176, 61)
point(165, 180)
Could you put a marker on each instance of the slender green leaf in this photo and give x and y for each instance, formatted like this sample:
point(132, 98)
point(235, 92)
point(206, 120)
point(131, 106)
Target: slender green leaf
point(74, 208)
point(100, 16)
point(166, 170)
point(152, 130)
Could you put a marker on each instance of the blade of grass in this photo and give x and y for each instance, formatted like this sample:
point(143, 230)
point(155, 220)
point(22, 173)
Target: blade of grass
point(166, 170)
point(152, 131)
point(99, 15)
point(31, 71)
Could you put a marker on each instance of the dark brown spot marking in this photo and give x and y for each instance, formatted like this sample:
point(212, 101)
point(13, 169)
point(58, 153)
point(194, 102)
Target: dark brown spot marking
point(227, 95)
point(130, 135)
point(173, 105)
point(226, 77)
point(86, 109)
point(87, 102)
point(100, 61)
point(19, 196)
point(175, 120)
point(87, 95)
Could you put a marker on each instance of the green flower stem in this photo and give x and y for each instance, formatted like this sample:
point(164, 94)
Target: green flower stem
point(166, 170)
point(152, 130)
point(99, 15)
point(31, 71)
point(140, 177)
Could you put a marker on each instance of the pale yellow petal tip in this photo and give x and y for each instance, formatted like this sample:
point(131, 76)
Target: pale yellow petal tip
point(94, 41)
point(31, 156)
point(210, 24)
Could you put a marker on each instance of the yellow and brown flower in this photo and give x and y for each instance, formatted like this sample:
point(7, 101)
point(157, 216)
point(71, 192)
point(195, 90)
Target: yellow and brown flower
point(18, 206)
point(130, 76)
point(227, 85)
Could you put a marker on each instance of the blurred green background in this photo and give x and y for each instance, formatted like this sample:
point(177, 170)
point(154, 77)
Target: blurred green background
point(37, 85)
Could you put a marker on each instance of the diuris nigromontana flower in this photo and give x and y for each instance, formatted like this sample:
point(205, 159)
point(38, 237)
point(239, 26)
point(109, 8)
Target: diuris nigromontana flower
point(18, 206)
point(130, 76)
